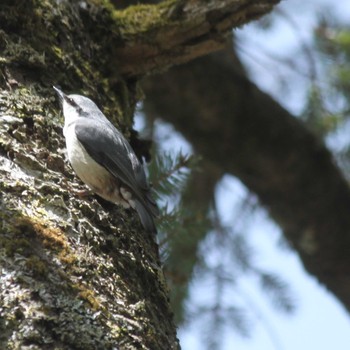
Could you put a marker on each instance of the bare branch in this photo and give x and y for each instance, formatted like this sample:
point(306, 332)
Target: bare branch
point(243, 131)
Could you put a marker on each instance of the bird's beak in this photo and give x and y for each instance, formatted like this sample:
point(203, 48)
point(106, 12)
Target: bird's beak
point(62, 96)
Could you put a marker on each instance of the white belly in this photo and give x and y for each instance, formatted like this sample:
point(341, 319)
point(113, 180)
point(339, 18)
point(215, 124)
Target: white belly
point(90, 172)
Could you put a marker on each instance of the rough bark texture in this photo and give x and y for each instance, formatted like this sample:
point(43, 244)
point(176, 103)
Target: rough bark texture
point(175, 32)
point(76, 274)
point(244, 132)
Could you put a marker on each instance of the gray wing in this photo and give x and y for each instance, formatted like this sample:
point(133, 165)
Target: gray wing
point(108, 147)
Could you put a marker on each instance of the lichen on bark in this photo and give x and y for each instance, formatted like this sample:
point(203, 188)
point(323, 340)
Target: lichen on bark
point(77, 272)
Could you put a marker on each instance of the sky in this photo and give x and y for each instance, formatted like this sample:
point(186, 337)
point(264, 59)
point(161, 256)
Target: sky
point(319, 321)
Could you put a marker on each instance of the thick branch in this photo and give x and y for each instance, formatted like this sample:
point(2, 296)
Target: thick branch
point(155, 37)
point(246, 133)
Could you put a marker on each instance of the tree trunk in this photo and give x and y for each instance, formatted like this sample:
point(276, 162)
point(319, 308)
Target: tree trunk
point(76, 274)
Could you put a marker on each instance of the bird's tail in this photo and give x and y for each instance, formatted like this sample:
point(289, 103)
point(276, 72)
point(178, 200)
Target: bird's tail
point(146, 217)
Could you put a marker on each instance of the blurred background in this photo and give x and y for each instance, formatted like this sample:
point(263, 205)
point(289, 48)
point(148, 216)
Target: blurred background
point(236, 281)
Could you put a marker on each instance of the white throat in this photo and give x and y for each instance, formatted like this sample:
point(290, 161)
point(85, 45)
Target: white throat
point(70, 114)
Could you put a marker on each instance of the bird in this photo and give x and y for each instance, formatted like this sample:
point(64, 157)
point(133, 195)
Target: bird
point(104, 160)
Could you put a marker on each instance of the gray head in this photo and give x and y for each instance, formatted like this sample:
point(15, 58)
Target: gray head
point(77, 106)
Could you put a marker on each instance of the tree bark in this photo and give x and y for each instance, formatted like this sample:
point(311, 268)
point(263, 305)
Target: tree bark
point(174, 32)
point(244, 132)
point(76, 273)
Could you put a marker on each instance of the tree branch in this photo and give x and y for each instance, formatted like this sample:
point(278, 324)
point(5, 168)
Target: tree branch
point(155, 37)
point(243, 131)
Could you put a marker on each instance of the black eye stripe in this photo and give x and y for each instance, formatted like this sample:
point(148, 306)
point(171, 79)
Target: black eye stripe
point(74, 104)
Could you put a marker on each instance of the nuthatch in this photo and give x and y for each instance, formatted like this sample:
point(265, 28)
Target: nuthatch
point(104, 160)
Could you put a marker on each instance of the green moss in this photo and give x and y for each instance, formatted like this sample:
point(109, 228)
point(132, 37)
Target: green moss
point(37, 266)
point(57, 51)
point(102, 3)
point(27, 230)
point(89, 296)
point(18, 245)
point(17, 51)
point(143, 18)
